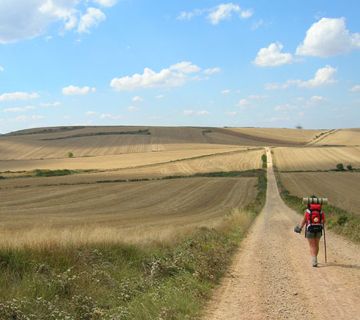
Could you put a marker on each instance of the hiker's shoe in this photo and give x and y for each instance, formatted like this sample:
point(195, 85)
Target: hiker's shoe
point(314, 262)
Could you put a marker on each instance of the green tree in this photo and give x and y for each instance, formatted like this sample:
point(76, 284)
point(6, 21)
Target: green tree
point(340, 167)
point(70, 155)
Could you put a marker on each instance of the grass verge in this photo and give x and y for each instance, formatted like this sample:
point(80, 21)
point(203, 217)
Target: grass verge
point(340, 221)
point(168, 280)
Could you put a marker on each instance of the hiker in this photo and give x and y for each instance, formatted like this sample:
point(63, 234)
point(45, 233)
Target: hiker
point(314, 219)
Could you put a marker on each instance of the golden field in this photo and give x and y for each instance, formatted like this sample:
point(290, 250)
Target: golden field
point(128, 211)
point(343, 137)
point(280, 135)
point(315, 158)
point(342, 188)
point(82, 207)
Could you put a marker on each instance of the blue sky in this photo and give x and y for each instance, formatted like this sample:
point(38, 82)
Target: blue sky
point(199, 63)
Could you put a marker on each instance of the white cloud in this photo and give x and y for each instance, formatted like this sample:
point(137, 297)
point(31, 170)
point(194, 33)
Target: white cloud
point(69, 25)
point(13, 96)
point(272, 56)
point(196, 113)
point(245, 14)
point(110, 116)
point(231, 113)
point(91, 18)
point(73, 90)
point(106, 3)
point(2, 69)
point(284, 107)
point(249, 100)
point(225, 91)
point(137, 99)
point(27, 19)
point(51, 104)
point(323, 76)
point(188, 15)
point(217, 14)
point(25, 118)
point(211, 71)
point(91, 113)
point(132, 108)
point(328, 37)
point(355, 88)
point(317, 99)
point(244, 102)
point(19, 109)
point(20, 19)
point(257, 24)
point(160, 96)
point(175, 75)
point(225, 11)
point(276, 119)
point(185, 67)
point(203, 113)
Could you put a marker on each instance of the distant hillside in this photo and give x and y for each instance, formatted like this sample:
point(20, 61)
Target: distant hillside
point(82, 141)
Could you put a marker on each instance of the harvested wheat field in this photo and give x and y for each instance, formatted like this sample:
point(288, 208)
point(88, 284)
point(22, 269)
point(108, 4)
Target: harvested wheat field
point(343, 137)
point(96, 141)
point(230, 161)
point(132, 211)
point(311, 158)
point(342, 188)
point(279, 135)
point(129, 160)
point(47, 143)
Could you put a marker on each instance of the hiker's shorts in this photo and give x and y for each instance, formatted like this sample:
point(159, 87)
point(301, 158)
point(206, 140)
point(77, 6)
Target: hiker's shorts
point(313, 235)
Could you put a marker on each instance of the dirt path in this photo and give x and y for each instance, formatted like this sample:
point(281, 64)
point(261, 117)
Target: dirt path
point(272, 277)
point(321, 137)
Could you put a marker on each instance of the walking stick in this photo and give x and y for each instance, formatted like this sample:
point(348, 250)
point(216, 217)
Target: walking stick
point(325, 245)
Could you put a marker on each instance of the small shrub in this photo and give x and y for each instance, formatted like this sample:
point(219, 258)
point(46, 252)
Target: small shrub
point(342, 220)
point(264, 160)
point(2, 177)
point(349, 167)
point(70, 155)
point(52, 173)
point(340, 167)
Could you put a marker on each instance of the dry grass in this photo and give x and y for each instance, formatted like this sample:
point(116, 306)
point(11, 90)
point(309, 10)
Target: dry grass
point(310, 158)
point(119, 211)
point(342, 188)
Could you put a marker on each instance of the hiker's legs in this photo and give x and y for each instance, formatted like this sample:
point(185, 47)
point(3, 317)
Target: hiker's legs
point(317, 241)
point(314, 250)
point(314, 246)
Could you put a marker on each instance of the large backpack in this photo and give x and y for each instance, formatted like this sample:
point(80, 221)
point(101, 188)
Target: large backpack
point(314, 218)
